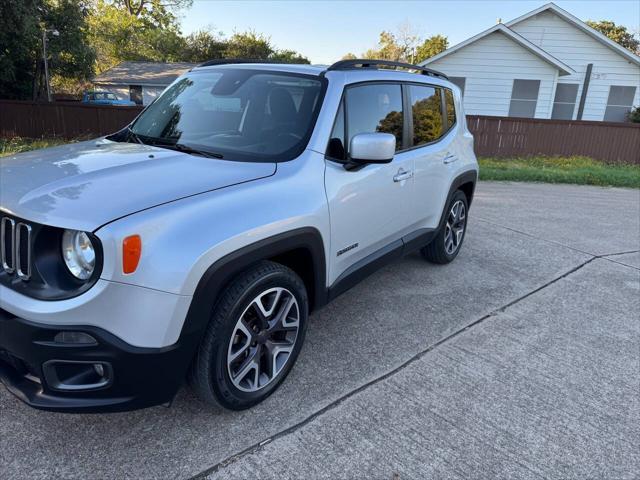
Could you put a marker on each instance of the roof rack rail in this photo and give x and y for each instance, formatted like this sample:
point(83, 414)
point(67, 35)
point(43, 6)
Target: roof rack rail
point(230, 61)
point(368, 63)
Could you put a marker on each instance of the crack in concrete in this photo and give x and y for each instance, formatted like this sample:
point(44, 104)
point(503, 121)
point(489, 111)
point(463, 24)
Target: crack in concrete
point(334, 404)
point(555, 242)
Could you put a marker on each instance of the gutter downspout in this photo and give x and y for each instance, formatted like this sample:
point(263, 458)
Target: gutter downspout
point(585, 89)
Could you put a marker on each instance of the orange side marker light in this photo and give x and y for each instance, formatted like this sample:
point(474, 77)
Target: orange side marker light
point(131, 251)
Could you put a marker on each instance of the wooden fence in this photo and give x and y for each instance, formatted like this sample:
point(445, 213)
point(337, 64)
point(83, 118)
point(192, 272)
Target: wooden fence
point(62, 119)
point(494, 136)
point(520, 137)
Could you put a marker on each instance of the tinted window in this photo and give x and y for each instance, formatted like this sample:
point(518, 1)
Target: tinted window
point(375, 108)
point(426, 106)
point(524, 98)
point(619, 103)
point(336, 148)
point(239, 113)
point(565, 101)
point(451, 108)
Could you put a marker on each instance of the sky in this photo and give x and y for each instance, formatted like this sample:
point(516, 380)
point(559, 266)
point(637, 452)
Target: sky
point(324, 31)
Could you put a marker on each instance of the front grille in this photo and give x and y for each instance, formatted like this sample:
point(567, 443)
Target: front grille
point(15, 248)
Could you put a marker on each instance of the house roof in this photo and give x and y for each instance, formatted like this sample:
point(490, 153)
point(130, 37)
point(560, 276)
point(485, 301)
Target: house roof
point(582, 26)
point(501, 28)
point(143, 73)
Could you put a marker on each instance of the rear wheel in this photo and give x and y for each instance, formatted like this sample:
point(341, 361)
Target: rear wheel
point(446, 245)
point(253, 338)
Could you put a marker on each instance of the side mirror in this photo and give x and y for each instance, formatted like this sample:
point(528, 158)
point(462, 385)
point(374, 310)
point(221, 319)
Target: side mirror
point(372, 148)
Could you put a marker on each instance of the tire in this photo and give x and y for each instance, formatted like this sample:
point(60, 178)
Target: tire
point(235, 366)
point(444, 248)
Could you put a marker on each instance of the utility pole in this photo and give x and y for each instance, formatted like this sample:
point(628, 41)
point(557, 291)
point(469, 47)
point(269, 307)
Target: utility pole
point(55, 33)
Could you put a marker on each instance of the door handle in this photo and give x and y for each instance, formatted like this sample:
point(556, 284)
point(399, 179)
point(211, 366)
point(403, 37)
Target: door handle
point(402, 175)
point(450, 158)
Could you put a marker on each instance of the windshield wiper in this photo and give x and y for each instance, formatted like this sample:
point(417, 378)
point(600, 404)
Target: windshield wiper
point(180, 147)
point(132, 135)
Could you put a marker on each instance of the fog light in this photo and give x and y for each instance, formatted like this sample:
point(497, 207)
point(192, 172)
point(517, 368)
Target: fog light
point(74, 338)
point(71, 375)
point(99, 369)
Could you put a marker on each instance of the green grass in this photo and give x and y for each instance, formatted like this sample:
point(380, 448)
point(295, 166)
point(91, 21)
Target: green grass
point(577, 170)
point(10, 146)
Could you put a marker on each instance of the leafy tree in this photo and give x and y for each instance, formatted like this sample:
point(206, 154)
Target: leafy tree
point(160, 13)
point(288, 56)
point(95, 35)
point(430, 47)
point(255, 45)
point(392, 123)
point(617, 33)
point(118, 35)
point(203, 45)
point(389, 48)
point(405, 45)
point(427, 123)
point(72, 57)
point(206, 45)
point(19, 33)
point(248, 45)
point(21, 66)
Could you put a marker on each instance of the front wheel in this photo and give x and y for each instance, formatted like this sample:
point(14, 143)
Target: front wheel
point(446, 245)
point(253, 338)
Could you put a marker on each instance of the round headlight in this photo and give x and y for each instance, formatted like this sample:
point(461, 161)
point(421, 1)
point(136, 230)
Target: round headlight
point(78, 253)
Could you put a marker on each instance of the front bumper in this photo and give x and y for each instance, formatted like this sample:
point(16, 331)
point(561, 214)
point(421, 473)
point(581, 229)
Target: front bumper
point(137, 377)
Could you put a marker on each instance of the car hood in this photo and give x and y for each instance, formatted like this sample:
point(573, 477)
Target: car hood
point(86, 185)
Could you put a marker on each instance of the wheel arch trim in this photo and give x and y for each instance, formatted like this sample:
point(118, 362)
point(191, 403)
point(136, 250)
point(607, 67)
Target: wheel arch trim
point(221, 272)
point(470, 176)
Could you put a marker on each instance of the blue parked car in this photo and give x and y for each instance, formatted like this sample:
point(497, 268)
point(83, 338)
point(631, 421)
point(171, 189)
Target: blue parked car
point(104, 97)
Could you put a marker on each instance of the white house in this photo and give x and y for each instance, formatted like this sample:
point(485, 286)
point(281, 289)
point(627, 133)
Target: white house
point(544, 64)
point(140, 82)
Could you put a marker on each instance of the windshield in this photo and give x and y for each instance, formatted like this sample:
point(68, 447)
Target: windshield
point(238, 114)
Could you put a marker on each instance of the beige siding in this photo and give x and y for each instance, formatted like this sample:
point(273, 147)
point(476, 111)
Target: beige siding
point(121, 91)
point(149, 94)
point(490, 65)
point(577, 49)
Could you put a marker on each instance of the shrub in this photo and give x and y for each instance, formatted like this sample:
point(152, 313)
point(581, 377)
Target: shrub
point(634, 115)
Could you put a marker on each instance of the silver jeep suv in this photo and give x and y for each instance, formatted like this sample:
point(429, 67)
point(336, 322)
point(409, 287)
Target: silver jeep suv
point(195, 242)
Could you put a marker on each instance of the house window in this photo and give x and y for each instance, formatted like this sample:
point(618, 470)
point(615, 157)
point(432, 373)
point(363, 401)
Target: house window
point(524, 98)
point(135, 94)
point(459, 82)
point(619, 103)
point(565, 101)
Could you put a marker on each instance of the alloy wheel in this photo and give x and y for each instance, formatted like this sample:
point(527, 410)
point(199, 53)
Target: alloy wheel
point(454, 229)
point(263, 339)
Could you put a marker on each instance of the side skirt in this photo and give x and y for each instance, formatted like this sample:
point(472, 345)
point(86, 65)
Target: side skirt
point(378, 259)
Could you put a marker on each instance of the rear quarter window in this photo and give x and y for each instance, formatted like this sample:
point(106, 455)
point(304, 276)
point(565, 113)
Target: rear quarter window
point(450, 105)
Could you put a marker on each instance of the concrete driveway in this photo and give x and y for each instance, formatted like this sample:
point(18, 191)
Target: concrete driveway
point(521, 359)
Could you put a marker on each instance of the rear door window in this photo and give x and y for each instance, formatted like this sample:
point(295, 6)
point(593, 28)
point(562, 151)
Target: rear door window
point(426, 109)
